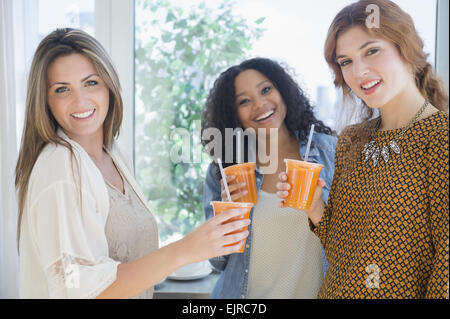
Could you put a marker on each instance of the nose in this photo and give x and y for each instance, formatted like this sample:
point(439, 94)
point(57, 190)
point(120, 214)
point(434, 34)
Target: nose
point(78, 98)
point(259, 101)
point(360, 69)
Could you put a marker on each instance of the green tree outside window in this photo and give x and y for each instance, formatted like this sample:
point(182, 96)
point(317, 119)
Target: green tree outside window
point(178, 55)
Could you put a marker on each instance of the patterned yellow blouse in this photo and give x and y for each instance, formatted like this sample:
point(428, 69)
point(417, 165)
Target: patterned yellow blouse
point(386, 229)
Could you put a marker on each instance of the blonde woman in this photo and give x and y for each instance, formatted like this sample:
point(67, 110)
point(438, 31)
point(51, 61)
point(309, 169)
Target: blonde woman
point(385, 227)
point(85, 229)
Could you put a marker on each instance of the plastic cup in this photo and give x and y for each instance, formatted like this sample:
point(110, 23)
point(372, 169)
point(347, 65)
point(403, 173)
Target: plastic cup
point(245, 173)
point(220, 207)
point(302, 176)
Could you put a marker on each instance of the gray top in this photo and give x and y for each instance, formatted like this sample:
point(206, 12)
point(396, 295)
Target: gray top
point(131, 229)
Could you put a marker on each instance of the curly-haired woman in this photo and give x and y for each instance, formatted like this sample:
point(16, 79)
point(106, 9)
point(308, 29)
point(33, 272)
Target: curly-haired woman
point(282, 258)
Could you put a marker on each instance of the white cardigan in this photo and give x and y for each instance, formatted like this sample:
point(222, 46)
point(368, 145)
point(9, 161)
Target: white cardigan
point(63, 247)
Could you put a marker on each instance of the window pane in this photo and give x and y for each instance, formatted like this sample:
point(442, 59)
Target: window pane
point(182, 46)
point(66, 13)
point(179, 52)
point(44, 16)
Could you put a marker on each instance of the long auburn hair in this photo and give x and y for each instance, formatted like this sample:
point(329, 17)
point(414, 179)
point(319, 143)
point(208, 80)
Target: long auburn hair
point(40, 126)
point(397, 27)
point(220, 111)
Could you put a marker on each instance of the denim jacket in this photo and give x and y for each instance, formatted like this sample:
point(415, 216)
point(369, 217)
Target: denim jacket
point(233, 281)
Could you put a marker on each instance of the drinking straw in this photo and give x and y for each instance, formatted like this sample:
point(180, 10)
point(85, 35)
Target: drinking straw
point(224, 178)
point(309, 142)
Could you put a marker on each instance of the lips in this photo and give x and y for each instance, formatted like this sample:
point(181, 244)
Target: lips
point(265, 116)
point(84, 114)
point(368, 87)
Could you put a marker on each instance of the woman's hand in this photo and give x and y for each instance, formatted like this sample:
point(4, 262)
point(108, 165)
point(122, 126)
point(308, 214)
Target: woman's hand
point(317, 208)
point(204, 242)
point(234, 189)
point(209, 240)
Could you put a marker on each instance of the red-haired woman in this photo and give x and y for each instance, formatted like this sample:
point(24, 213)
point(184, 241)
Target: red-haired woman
point(385, 229)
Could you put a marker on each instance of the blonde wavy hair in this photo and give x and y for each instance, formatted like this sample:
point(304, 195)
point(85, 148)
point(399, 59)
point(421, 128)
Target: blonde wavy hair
point(397, 27)
point(40, 126)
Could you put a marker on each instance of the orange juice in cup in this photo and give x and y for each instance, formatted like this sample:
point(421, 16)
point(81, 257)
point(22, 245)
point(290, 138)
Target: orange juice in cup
point(220, 207)
point(303, 177)
point(245, 173)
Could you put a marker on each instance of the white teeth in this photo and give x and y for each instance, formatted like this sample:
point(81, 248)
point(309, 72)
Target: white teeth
point(83, 115)
point(370, 85)
point(265, 115)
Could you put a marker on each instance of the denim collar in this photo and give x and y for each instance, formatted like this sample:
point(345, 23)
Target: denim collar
point(313, 151)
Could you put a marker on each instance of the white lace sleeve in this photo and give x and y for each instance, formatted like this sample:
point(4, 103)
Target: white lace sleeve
point(72, 277)
point(71, 242)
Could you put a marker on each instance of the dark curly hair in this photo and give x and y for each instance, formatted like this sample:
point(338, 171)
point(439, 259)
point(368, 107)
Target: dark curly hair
point(220, 110)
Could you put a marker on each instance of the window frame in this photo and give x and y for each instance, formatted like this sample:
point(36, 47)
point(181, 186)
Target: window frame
point(114, 28)
point(442, 43)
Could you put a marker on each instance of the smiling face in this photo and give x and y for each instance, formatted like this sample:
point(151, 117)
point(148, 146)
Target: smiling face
point(259, 103)
point(372, 67)
point(77, 96)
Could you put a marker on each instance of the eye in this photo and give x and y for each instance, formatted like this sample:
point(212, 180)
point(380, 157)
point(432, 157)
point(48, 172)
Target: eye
point(266, 90)
point(373, 51)
point(344, 63)
point(62, 89)
point(243, 101)
point(91, 83)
